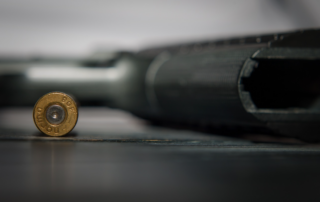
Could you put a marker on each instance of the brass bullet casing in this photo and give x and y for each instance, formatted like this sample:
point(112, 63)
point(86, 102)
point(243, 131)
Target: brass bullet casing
point(55, 114)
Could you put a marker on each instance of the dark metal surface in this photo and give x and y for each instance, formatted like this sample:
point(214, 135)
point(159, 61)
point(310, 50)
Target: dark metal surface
point(259, 84)
point(113, 156)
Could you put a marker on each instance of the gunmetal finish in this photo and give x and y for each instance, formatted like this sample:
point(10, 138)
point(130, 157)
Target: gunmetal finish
point(258, 84)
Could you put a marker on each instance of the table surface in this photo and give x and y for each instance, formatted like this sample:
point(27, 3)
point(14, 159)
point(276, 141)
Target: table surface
point(114, 156)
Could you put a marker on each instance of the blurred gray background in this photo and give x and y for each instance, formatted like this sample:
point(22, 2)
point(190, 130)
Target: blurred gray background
point(75, 28)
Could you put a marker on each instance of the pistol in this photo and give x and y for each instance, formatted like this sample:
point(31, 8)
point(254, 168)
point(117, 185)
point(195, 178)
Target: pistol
point(258, 84)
